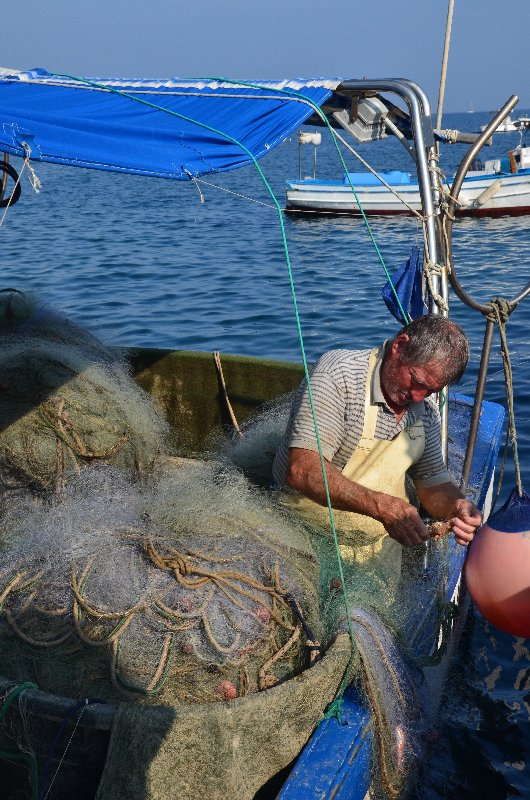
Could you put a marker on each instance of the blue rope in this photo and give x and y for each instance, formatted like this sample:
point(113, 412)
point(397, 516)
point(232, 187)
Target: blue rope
point(53, 749)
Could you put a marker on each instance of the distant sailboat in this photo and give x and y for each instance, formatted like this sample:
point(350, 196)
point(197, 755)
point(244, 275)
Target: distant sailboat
point(471, 110)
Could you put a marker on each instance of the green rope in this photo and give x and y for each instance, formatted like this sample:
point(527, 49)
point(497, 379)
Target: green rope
point(501, 472)
point(13, 695)
point(500, 312)
point(17, 755)
point(230, 138)
point(326, 122)
point(335, 706)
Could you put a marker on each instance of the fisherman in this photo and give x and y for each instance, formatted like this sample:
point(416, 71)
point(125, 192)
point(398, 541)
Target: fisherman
point(377, 426)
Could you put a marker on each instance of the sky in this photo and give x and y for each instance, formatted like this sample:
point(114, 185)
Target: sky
point(489, 58)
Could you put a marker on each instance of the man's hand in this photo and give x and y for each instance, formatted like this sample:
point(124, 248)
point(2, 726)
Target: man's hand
point(402, 522)
point(465, 521)
point(445, 501)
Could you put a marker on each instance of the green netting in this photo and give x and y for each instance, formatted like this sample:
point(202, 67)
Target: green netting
point(219, 750)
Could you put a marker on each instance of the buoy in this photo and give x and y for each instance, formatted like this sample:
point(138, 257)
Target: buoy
point(497, 567)
point(226, 690)
point(487, 194)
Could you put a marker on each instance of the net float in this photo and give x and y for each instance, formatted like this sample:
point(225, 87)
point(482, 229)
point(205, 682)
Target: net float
point(227, 690)
point(497, 567)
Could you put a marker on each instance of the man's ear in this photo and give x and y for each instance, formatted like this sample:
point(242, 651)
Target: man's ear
point(399, 345)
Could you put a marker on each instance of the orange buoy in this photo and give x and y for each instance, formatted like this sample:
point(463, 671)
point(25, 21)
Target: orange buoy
point(497, 567)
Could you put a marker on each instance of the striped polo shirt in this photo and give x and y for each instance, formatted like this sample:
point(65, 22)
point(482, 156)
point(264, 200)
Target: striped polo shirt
point(338, 381)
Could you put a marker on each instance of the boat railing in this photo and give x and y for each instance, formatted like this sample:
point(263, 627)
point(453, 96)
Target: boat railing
point(486, 309)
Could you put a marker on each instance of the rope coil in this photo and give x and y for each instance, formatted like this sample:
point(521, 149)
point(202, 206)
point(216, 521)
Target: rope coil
point(432, 270)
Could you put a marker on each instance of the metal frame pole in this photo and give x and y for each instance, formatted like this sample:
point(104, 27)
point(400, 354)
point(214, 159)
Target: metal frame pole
point(426, 163)
point(445, 57)
point(420, 114)
point(3, 182)
point(485, 309)
point(477, 405)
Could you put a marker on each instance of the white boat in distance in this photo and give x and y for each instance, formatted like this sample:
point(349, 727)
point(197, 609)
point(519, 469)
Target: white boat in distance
point(508, 126)
point(511, 125)
point(496, 188)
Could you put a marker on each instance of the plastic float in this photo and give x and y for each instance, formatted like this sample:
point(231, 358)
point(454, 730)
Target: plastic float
point(497, 569)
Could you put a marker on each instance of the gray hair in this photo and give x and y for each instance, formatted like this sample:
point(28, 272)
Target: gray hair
point(437, 338)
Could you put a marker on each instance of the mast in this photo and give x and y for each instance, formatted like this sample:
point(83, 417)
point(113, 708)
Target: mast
point(445, 57)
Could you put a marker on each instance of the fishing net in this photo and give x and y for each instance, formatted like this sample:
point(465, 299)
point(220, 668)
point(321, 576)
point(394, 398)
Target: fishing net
point(371, 581)
point(389, 684)
point(65, 403)
point(378, 606)
point(23, 314)
point(224, 750)
point(176, 593)
point(155, 593)
point(252, 450)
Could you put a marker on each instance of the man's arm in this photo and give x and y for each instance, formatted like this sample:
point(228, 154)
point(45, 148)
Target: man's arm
point(443, 500)
point(400, 519)
point(446, 501)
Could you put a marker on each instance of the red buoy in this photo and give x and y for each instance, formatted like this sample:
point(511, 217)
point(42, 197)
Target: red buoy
point(497, 567)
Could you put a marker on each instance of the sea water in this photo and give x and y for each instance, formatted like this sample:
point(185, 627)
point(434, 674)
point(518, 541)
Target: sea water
point(202, 266)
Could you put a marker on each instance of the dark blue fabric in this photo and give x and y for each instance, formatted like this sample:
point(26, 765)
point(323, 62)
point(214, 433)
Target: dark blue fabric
point(514, 515)
point(67, 122)
point(407, 282)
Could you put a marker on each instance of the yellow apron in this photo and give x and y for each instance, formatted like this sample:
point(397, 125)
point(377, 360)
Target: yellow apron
point(376, 464)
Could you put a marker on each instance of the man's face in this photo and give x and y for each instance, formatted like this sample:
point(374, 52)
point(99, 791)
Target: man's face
point(403, 383)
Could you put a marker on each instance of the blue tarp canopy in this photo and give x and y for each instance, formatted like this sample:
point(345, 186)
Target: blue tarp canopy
point(115, 125)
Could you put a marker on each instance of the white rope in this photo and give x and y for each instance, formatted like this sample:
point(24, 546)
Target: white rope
point(223, 189)
point(379, 178)
point(6, 209)
point(451, 136)
point(443, 186)
point(430, 270)
point(34, 180)
point(195, 182)
point(66, 749)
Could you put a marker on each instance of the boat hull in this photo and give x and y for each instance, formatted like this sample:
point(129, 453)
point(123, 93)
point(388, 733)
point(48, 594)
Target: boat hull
point(511, 196)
